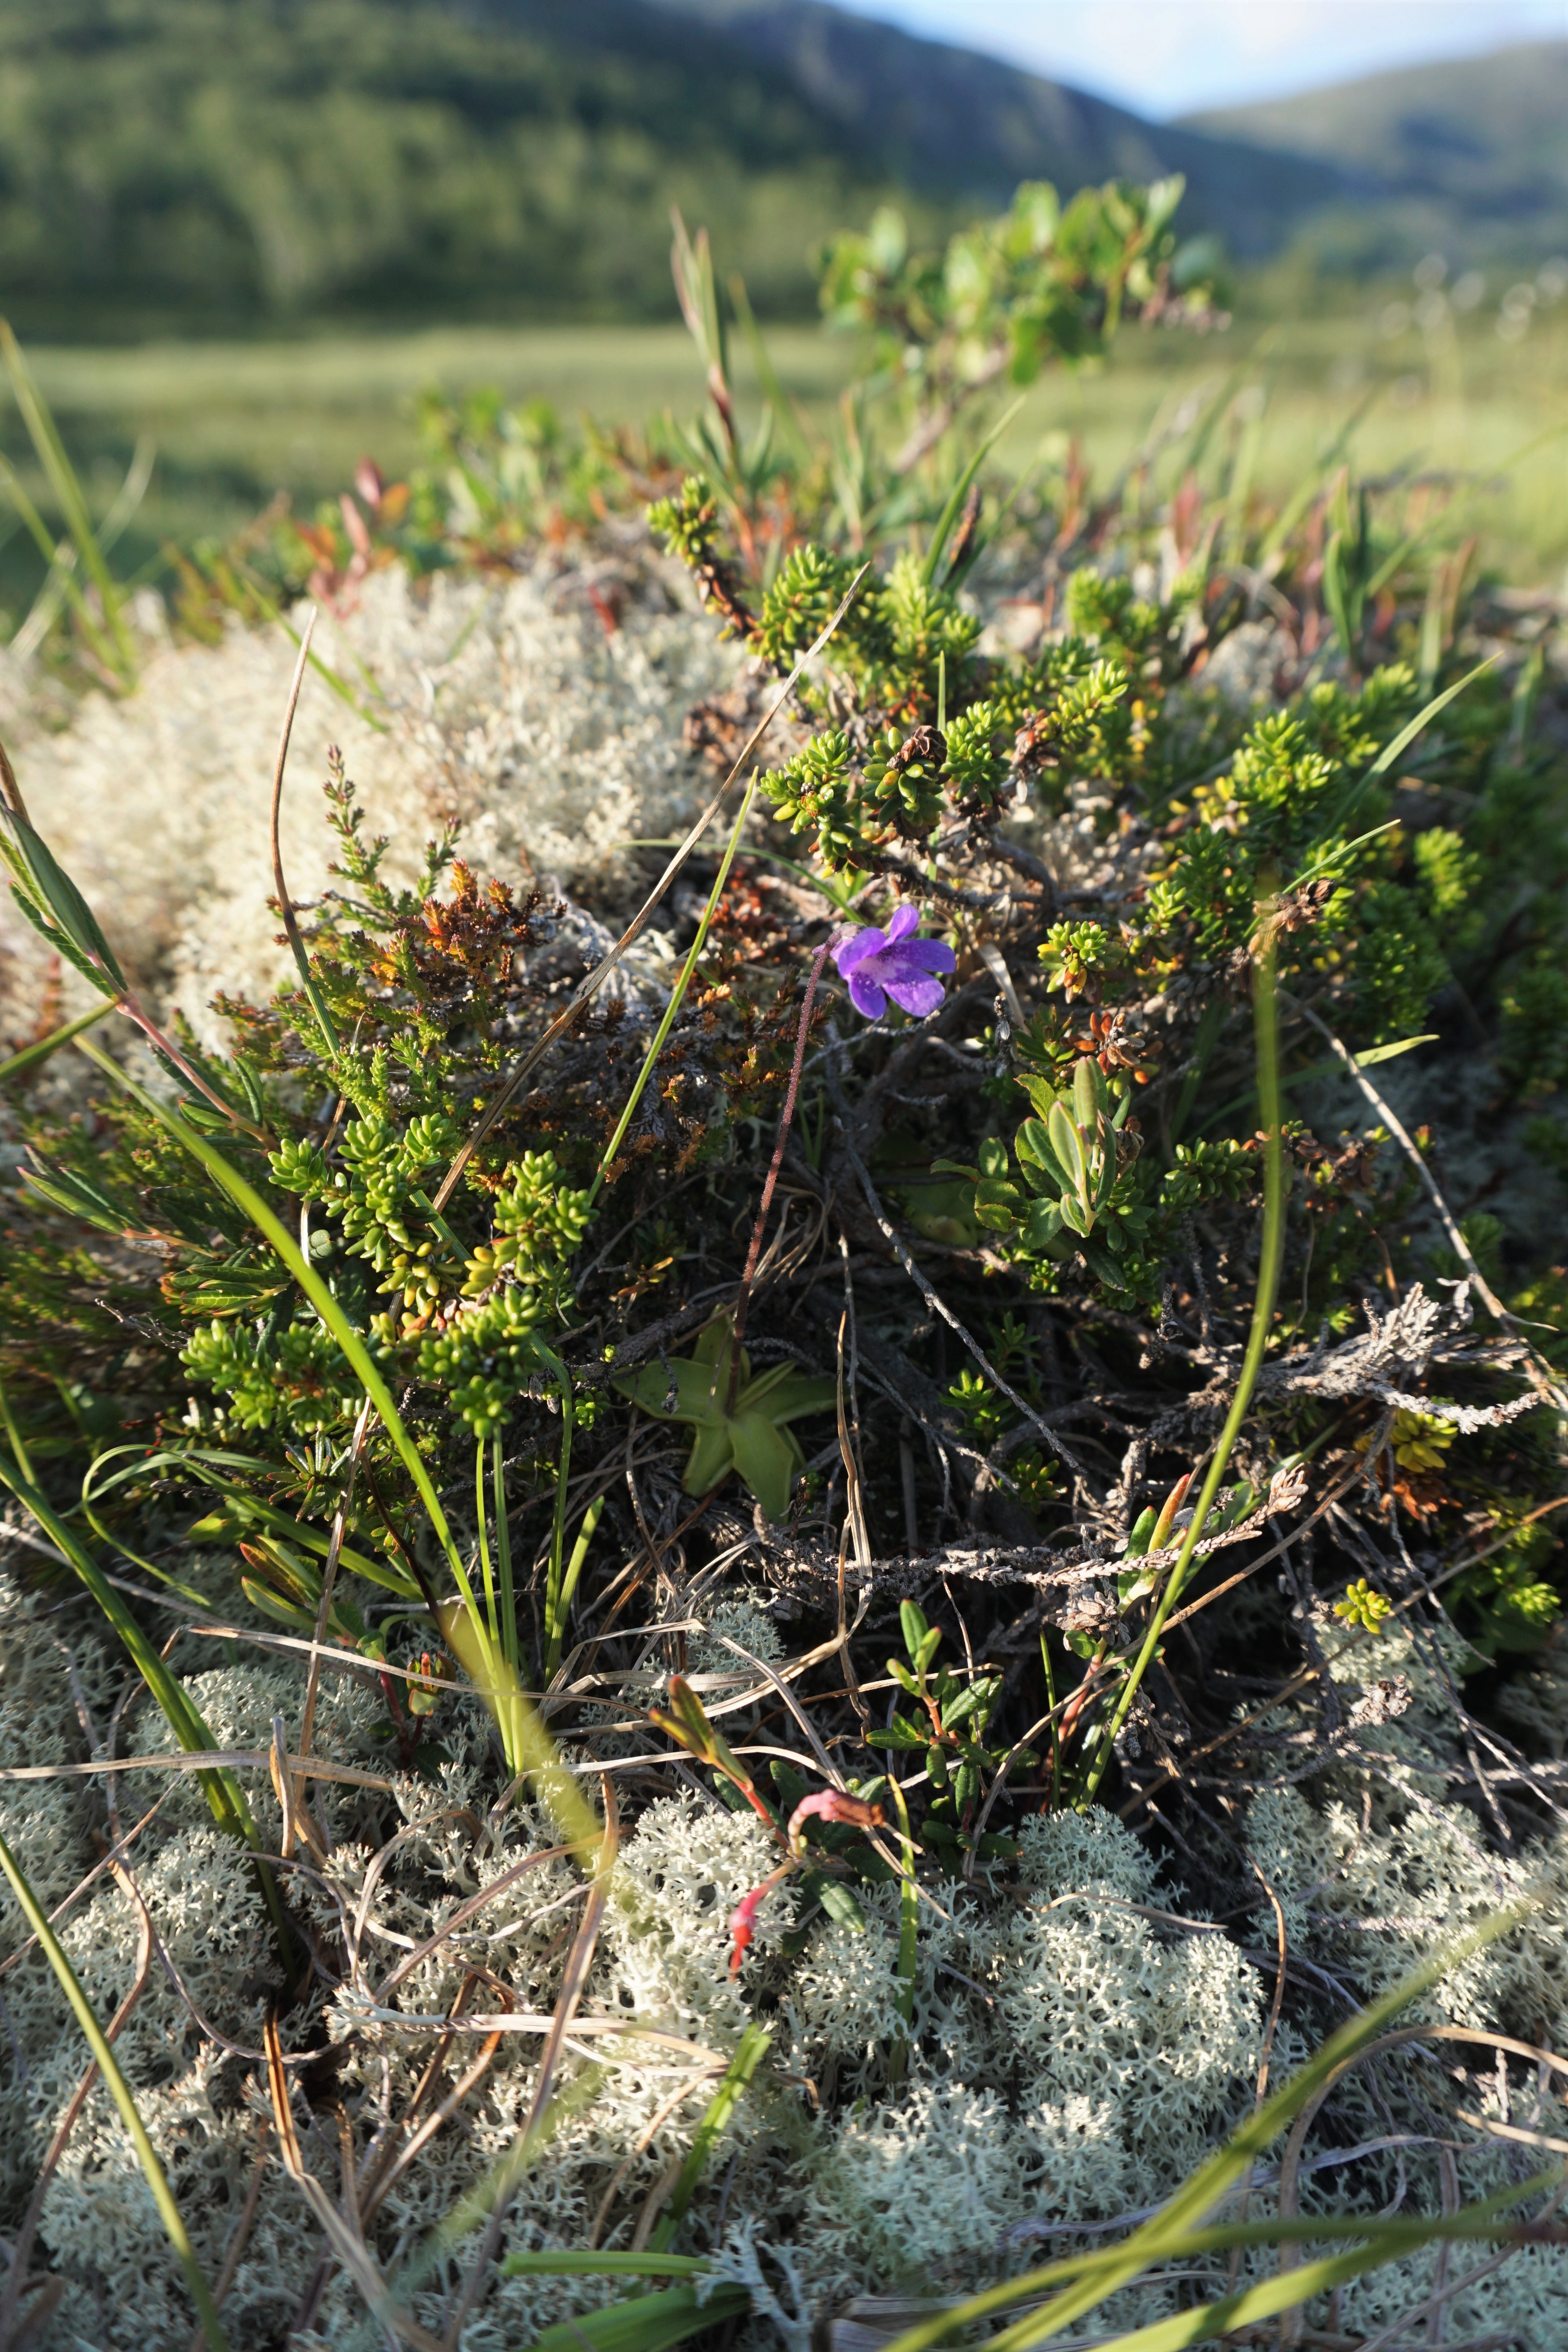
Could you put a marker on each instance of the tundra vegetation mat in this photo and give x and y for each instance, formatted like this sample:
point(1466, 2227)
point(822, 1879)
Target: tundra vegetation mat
point(809, 1596)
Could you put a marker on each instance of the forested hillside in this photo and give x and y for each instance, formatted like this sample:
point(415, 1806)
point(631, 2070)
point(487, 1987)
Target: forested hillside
point(216, 162)
point(214, 166)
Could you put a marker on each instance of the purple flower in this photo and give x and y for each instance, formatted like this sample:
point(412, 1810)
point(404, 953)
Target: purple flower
point(879, 964)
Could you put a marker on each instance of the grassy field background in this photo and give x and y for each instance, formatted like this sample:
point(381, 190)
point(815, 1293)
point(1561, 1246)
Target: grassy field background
point(233, 423)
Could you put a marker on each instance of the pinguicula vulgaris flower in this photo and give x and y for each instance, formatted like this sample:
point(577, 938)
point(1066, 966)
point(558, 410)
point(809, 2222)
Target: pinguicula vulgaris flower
point(878, 964)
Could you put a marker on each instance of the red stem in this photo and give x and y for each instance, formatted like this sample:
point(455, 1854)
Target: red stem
point(130, 1006)
point(755, 1250)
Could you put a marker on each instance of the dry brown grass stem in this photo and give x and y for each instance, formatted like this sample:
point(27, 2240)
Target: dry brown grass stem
point(661, 2116)
point(346, 2241)
point(201, 1759)
point(234, 2253)
point(29, 1943)
point(385, 2162)
point(578, 1966)
point(1540, 1373)
point(468, 1911)
point(374, 2190)
point(1308, 1672)
point(329, 1572)
point(849, 1454)
point(786, 1116)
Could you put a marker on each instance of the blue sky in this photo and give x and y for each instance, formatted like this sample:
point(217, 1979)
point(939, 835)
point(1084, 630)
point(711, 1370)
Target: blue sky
point(1167, 56)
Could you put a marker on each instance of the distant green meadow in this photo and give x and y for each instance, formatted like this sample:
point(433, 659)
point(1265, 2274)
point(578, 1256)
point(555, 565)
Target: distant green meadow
point(232, 423)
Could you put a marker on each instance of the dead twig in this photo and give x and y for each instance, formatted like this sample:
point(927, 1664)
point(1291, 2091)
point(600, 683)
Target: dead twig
point(518, 2159)
point(234, 2252)
point(939, 1307)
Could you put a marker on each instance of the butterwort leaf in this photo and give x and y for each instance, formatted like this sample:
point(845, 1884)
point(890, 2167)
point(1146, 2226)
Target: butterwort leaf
point(765, 1457)
point(753, 1437)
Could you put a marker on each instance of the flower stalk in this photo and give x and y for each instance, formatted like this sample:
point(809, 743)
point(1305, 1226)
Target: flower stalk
point(1266, 1022)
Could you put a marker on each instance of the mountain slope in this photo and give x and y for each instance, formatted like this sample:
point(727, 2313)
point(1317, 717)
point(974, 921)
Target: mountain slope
point(1472, 151)
point(952, 121)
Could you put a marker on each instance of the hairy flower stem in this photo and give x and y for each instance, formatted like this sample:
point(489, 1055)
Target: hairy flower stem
point(280, 888)
point(133, 1009)
point(755, 1250)
point(676, 997)
point(1265, 1019)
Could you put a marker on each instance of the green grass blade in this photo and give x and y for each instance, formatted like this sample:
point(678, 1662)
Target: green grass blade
point(148, 1567)
point(787, 410)
point(529, 1745)
point(563, 1607)
point(119, 2091)
point(64, 574)
point(270, 610)
point(224, 1796)
point(551, 2264)
point(1484, 2223)
point(554, 1603)
point(1311, 482)
point(243, 1509)
point(62, 479)
point(46, 604)
point(1210, 1022)
point(1285, 2292)
point(750, 2050)
point(1170, 2232)
point(351, 1341)
point(481, 1514)
point(224, 1793)
point(503, 1555)
point(961, 489)
point(649, 2323)
point(1406, 736)
point(57, 907)
point(17, 1064)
